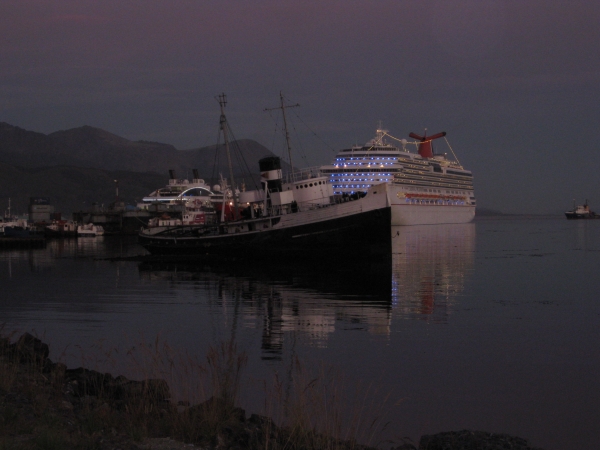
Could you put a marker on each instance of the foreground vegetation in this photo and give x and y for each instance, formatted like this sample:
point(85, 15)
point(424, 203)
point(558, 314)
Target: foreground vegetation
point(45, 405)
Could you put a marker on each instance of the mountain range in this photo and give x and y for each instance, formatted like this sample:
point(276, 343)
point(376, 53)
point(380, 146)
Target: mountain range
point(77, 167)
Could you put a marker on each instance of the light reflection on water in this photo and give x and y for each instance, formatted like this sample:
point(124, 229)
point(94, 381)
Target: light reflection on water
point(430, 266)
point(482, 325)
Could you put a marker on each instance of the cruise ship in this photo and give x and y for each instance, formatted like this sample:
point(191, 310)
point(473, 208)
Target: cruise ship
point(425, 188)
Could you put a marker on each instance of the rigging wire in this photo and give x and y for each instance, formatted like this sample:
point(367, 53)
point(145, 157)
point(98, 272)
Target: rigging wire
point(314, 133)
point(241, 161)
point(299, 144)
point(448, 143)
point(213, 176)
point(276, 132)
point(416, 144)
point(301, 151)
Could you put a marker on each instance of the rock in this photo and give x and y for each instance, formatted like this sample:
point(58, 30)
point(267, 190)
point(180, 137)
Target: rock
point(29, 349)
point(473, 440)
point(87, 382)
point(83, 382)
point(57, 372)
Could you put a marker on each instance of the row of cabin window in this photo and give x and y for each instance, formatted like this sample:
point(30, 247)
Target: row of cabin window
point(309, 184)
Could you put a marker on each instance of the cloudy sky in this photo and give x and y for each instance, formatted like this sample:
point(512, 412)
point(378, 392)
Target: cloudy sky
point(514, 83)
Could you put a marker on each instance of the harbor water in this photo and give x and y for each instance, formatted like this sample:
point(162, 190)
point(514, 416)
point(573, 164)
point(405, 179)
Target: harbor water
point(492, 325)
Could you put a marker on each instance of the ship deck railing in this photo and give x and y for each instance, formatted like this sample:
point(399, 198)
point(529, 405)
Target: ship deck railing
point(303, 174)
point(291, 208)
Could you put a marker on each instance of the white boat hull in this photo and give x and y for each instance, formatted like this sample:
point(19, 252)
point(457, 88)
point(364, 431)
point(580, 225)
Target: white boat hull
point(90, 230)
point(431, 214)
point(427, 213)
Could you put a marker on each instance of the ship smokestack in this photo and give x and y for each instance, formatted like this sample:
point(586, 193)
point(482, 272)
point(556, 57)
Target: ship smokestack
point(270, 172)
point(172, 174)
point(425, 149)
point(195, 172)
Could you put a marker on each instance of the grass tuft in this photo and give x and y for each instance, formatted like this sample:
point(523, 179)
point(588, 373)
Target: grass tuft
point(45, 406)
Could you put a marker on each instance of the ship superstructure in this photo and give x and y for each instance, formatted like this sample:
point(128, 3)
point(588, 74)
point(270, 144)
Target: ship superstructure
point(427, 188)
point(180, 188)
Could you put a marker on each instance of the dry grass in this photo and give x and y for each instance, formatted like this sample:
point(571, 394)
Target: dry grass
point(311, 412)
point(317, 412)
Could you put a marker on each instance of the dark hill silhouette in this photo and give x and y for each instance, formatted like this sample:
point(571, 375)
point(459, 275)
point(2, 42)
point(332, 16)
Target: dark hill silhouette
point(93, 147)
point(71, 188)
point(78, 166)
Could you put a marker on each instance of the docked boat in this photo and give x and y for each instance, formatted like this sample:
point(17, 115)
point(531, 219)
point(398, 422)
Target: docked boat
point(178, 188)
point(296, 218)
point(425, 188)
point(13, 226)
point(299, 218)
point(17, 228)
point(181, 190)
point(581, 212)
point(61, 228)
point(196, 212)
point(90, 230)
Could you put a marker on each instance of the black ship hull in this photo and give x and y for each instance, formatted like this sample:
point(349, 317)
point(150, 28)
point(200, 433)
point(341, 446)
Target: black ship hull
point(577, 216)
point(365, 234)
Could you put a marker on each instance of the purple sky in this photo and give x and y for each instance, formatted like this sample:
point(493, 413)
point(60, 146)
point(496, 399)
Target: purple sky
point(515, 84)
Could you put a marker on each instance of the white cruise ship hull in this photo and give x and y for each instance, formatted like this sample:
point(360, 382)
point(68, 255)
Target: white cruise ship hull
point(424, 188)
point(431, 214)
point(432, 211)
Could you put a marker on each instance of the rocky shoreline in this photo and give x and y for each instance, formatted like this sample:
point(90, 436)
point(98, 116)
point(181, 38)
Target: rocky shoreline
point(45, 405)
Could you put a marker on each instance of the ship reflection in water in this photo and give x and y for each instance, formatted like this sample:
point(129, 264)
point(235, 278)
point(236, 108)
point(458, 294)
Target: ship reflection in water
point(430, 265)
point(309, 301)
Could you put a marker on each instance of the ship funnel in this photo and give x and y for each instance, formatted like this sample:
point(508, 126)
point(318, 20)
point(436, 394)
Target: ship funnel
point(425, 149)
point(172, 174)
point(270, 172)
point(195, 172)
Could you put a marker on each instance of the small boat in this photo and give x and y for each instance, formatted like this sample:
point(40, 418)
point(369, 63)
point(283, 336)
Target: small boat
point(89, 229)
point(61, 228)
point(581, 212)
point(196, 212)
point(14, 227)
point(20, 231)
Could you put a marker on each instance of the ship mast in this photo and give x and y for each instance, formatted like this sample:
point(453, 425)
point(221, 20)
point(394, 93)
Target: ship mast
point(287, 134)
point(223, 124)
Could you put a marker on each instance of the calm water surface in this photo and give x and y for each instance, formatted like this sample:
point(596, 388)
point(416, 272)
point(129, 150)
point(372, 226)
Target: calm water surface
point(493, 325)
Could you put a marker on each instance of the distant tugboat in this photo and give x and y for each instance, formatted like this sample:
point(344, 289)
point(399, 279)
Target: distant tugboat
point(581, 212)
